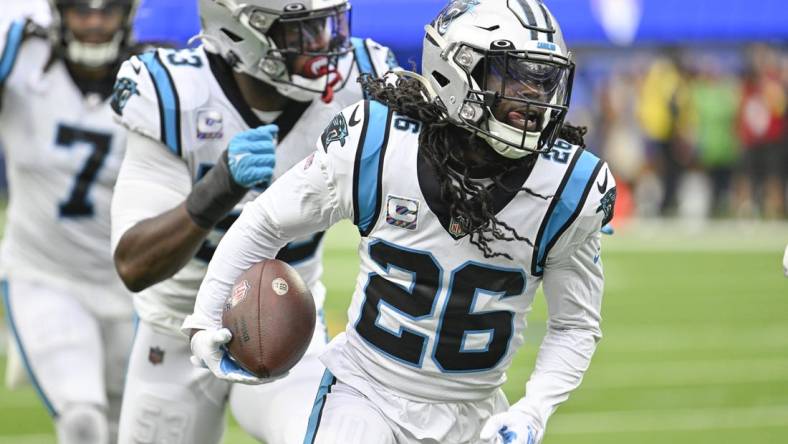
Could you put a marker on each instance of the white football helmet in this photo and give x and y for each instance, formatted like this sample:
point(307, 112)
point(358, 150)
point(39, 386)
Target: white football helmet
point(502, 70)
point(92, 54)
point(262, 38)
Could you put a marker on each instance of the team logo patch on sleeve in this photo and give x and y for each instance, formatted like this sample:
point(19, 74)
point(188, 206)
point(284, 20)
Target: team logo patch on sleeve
point(337, 131)
point(402, 212)
point(122, 92)
point(209, 125)
point(607, 205)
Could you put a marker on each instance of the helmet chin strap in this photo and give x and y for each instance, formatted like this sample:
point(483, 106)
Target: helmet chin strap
point(320, 76)
point(93, 55)
point(511, 135)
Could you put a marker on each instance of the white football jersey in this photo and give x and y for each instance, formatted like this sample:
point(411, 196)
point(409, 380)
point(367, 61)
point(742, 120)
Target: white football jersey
point(63, 151)
point(189, 101)
point(431, 317)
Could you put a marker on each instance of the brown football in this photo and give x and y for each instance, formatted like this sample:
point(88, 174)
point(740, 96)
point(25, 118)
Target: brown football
point(271, 315)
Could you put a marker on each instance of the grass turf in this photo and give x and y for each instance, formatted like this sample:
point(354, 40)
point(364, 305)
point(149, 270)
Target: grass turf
point(694, 349)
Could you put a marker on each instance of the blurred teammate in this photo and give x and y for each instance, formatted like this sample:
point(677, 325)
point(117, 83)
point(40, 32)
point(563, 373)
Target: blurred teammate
point(68, 311)
point(284, 69)
point(493, 204)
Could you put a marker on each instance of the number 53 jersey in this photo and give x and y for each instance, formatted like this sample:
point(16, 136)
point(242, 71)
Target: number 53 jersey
point(62, 151)
point(432, 317)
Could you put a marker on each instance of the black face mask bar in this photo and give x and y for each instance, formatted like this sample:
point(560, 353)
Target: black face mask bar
point(538, 75)
point(298, 34)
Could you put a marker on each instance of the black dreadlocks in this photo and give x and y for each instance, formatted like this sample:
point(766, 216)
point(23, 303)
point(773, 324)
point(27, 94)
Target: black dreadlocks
point(470, 202)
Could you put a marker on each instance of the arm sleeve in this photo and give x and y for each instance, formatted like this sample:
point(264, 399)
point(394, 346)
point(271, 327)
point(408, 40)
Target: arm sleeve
point(573, 291)
point(573, 286)
point(310, 197)
point(151, 181)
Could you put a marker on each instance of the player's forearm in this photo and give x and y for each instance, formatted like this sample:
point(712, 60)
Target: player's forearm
point(251, 239)
point(155, 249)
point(563, 359)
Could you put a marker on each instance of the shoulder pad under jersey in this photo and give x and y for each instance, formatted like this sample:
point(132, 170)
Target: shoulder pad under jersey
point(157, 91)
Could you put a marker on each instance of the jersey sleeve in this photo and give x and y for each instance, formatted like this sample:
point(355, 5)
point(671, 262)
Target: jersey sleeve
point(312, 196)
point(12, 34)
point(573, 283)
point(20, 54)
point(157, 92)
point(150, 182)
point(373, 58)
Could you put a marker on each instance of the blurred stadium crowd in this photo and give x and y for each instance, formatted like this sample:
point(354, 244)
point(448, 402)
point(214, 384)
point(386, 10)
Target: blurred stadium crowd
point(693, 132)
point(690, 113)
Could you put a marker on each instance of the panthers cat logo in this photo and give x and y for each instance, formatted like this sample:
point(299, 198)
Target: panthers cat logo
point(607, 205)
point(451, 12)
point(336, 131)
point(122, 92)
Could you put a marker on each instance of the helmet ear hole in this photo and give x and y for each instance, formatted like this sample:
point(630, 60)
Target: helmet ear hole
point(440, 78)
point(232, 36)
point(478, 74)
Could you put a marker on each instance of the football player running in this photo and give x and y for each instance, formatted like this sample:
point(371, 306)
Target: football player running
point(69, 313)
point(277, 67)
point(499, 197)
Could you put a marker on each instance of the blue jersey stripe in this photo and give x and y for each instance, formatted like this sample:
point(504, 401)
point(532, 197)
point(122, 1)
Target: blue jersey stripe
point(13, 42)
point(168, 101)
point(317, 409)
point(363, 58)
point(369, 164)
point(14, 332)
point(569, 204)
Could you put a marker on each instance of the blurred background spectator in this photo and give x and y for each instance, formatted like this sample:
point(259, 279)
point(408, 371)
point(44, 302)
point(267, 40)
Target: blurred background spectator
point(686, 99)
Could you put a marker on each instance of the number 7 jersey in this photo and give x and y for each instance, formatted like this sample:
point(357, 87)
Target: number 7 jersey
point(63, 152)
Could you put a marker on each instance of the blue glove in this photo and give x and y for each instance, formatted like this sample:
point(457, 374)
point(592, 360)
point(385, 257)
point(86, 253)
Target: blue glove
point(511, 427)
point(251, 156)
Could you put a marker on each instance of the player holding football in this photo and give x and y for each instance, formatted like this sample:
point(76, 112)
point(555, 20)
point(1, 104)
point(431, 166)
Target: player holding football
point(69, 313)
point(451, 255)
point(280, 67)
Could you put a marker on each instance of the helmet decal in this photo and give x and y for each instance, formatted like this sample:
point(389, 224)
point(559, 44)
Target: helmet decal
point(451, 12)
point(503, 72)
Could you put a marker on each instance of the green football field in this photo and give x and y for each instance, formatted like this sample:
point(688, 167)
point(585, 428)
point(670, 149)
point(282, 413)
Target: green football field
point(695, 348)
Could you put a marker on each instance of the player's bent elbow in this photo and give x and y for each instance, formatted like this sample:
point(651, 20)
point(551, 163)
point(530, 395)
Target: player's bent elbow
point(131, 273)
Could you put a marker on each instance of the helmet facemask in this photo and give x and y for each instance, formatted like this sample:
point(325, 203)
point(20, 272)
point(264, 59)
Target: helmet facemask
point(517, 99)
point(501, 70)
point(92, 54)
point(298, 50)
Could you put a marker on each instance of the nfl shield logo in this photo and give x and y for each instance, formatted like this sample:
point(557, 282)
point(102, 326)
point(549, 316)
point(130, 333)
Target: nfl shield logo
point(156, 355)
point(457, 227)
point(239, 293)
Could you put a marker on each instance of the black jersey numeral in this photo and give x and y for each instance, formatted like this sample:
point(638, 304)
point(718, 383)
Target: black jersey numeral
point(458, 321)
point(560, 152)
point(78, 204)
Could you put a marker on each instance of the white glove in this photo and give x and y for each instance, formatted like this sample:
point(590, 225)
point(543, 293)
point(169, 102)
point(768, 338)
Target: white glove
point(785, 262)
point(208, 352)
point(511, 427)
